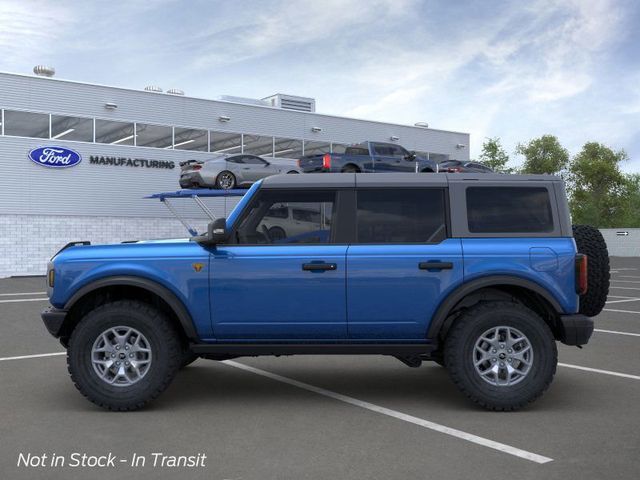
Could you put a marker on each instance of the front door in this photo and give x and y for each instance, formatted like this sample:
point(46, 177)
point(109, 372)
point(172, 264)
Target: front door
point(281, 279)
point(401, 265)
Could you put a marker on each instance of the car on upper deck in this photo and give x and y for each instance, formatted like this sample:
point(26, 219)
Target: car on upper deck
point(481, 273)
point(227, 172)
point(368, 157)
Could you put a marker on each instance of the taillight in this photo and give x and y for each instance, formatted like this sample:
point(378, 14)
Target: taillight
point(454, 170)
point(299, 163)
point(582, 282)
point(196, 167)
point(326, 161)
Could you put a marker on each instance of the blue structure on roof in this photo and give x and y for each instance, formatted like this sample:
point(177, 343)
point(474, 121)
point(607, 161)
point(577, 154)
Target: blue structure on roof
point(199, 192)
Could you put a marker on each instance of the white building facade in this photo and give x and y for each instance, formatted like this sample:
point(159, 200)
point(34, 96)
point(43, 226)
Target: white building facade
point(129, 144)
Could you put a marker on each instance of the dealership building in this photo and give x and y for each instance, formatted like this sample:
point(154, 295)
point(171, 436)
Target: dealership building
point(127, 144)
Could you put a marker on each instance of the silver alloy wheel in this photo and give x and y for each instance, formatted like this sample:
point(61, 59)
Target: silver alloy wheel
point(121, 356)
point(225, 180)
point(502, 356)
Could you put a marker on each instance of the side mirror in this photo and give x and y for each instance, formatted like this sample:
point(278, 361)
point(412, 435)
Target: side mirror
point(216, 233)
point(411, 156)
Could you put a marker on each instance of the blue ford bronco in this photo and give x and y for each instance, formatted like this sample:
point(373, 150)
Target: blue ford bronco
point(481, 273)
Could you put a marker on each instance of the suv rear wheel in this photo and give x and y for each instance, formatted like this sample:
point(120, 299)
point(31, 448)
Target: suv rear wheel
point(123, 354)
point(501, 355)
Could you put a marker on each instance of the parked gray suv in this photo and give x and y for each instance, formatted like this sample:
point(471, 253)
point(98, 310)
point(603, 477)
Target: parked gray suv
point(230, 171)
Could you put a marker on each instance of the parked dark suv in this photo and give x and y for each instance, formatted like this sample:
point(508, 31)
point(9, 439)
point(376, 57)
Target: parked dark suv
point(481, 273)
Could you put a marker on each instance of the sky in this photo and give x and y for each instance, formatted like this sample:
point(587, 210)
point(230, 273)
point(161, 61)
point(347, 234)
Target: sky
point(514, 70)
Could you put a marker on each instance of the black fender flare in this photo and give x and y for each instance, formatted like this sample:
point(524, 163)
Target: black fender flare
point(439, 318)
point(178, 307)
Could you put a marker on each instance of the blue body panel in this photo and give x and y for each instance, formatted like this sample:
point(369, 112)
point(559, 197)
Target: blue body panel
point(389, 297)
point(549, 262)
point(170, 264)
point(262, 292)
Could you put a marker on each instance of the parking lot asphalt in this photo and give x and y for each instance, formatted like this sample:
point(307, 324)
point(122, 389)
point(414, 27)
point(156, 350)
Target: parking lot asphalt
point(314, 417)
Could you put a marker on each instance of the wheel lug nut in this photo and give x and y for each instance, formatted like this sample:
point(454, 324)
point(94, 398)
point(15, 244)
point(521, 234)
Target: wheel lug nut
point(502, 345)
point(126, 347)
point(126, 363)
point(509, 360)
point(117, 347)
point(113, 355)
point(502, 364)
point(493, 350)
point(509, 351)
point(117, 363)
point(494, 359)
point(131, 355)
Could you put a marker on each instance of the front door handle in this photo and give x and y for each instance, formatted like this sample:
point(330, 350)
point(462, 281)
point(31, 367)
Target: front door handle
point(435, 265)
point(319, 267)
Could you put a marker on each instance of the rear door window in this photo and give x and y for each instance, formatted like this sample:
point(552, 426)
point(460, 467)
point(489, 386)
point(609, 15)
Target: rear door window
point(509, 210)
point(401, 216)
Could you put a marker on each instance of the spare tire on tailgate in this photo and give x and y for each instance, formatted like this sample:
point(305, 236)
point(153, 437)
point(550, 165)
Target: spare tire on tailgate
point(590, 242)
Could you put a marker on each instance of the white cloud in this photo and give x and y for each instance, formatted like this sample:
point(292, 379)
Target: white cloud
point(30, 30)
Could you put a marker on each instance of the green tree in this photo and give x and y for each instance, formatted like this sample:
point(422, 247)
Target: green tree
point(543, 155)
point(494, 156)
point(600, 192)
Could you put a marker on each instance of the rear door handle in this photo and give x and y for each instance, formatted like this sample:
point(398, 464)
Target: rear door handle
point(319, 267)
point(435, 265)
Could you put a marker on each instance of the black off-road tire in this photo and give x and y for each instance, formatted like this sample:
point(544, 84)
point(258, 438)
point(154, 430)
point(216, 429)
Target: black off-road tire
point(460, 344)
point(164, 341)
point(589, 241)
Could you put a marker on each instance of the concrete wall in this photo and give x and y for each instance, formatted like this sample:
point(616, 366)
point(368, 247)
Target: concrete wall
point(621, 245)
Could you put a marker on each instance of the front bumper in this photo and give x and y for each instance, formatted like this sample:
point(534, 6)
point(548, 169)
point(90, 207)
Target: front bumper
point(575, 329)
point(53, 319)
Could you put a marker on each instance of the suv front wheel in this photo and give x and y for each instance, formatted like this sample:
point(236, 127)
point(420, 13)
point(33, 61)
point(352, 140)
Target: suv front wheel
point(124, 354)
point(501, 355)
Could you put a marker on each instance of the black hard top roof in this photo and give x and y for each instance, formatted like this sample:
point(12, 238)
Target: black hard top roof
point(346, 180)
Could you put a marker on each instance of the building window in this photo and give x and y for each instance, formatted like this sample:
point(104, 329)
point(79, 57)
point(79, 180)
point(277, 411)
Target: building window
point(257, 145)
point(71, 128)
point(26, 124)
point(287, 148)
point(115, 133)
point(316, 148)
point(190, 139)
point(157, 136)
point(228, 143)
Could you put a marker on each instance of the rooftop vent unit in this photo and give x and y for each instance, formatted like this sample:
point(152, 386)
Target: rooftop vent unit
point(44, 71)
point(244, 100)
point(291, 102)
point(153, 88)
point(175, 91)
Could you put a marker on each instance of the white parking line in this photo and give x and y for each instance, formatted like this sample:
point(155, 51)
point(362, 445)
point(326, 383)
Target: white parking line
point(40, 355)
point(18, 300)
point(597, 370)
point(485, 442)
point(619, 311)
point(617, 332)
point(623, 288)
point(627, 276)
point(17, 294)
point(622, 301)
point(626, 281)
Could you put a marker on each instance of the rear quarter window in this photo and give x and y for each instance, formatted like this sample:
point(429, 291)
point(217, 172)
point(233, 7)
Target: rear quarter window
point(509, 210)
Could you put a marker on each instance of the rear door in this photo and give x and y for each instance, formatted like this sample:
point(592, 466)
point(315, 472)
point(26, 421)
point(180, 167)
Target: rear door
point(402, 263)
point(281, 281)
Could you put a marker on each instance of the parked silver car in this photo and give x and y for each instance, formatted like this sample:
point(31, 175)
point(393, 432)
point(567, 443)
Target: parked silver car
point(230, 171)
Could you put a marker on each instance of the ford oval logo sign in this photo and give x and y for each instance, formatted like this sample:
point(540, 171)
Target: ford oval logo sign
point(55, 157)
